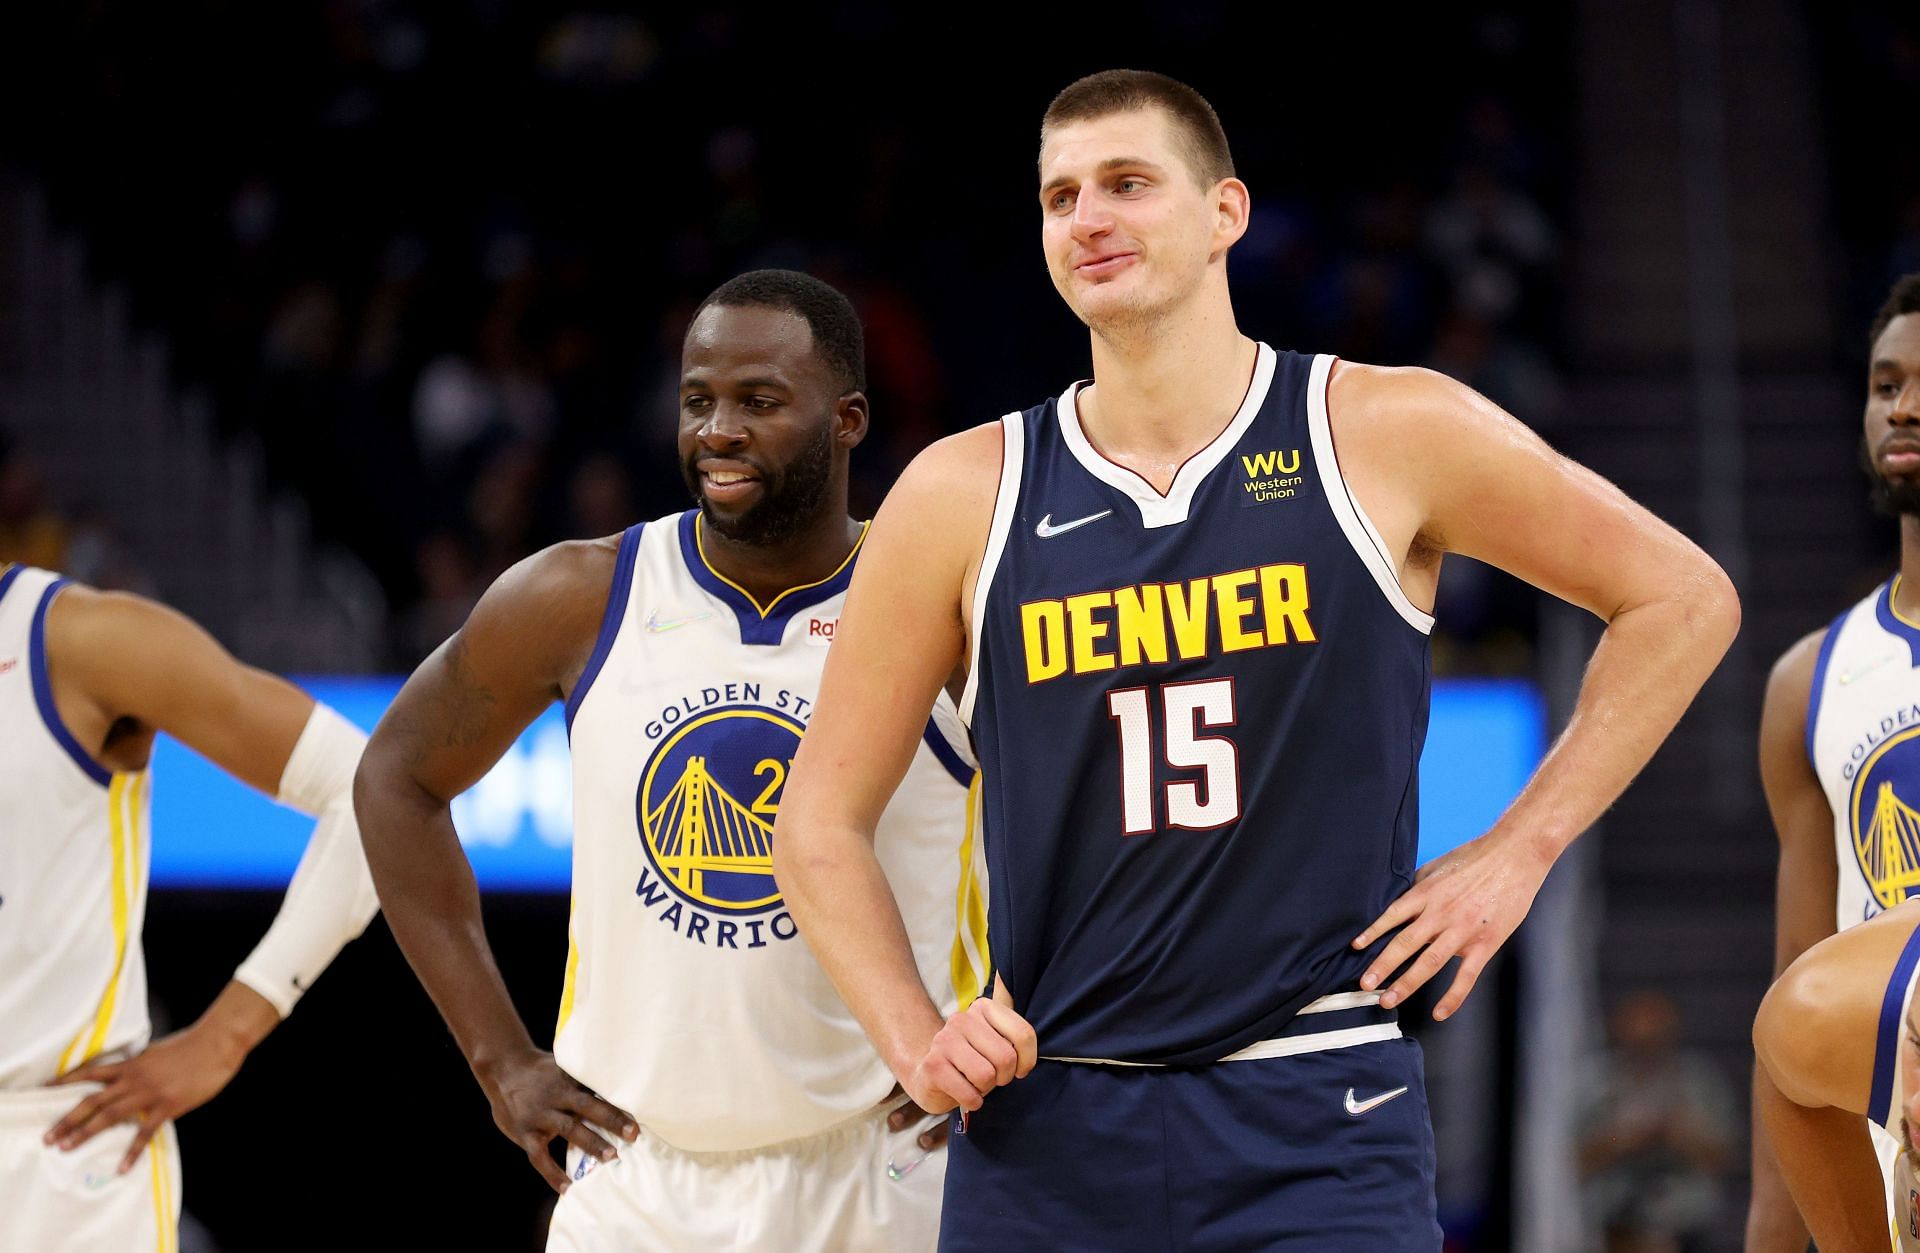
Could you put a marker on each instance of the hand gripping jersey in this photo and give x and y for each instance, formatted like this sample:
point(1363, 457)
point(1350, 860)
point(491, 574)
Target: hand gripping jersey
point(1199, 719)
point(690, 1000)
point(73, 869)
point(1863, 737)
point(1886, 1104)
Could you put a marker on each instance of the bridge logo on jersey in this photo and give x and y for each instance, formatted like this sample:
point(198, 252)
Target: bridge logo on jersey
point(1156, 623)
point(1885, 826)
point(1269, 476)
point(707, 801)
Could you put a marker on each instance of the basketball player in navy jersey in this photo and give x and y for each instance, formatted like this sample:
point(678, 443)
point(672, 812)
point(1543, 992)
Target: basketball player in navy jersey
point(1839, 741)
point(696, 1030)
point(1186, 608)
point(1838, 1052)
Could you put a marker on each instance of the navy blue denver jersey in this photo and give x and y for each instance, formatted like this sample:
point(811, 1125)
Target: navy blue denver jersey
point(1199, 719)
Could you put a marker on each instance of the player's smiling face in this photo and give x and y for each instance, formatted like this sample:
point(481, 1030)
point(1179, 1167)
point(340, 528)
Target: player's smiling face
point(764, 426)
point(1890, 440)
point(1127, 227)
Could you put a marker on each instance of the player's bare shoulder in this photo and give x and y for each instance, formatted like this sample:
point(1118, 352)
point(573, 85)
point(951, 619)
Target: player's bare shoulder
point(960, 472)
point(1392, 428)
point(100, 644)
point(941, 508)
point(547, 607)
point(1816, 1027)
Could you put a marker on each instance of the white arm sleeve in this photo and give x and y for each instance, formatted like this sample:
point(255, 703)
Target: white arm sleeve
point(331, 898)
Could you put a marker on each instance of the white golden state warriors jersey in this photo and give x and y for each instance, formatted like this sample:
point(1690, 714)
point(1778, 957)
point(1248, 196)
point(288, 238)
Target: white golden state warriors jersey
point(690, 1000)
point(1863, 737)
point(73, 868)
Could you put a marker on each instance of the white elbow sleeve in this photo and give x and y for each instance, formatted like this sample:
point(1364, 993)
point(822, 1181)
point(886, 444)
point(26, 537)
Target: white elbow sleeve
point(331, 898)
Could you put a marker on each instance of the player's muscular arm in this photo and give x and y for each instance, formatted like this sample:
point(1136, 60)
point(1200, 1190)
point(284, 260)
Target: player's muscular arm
point(523, 646)
point(1441, 469)
point(900, 637)
point(1803, 906)
point(1814, 1038)
point(122, 668)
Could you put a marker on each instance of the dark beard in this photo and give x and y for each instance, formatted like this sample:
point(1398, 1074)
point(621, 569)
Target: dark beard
point(1890, 498)
point(794, 496)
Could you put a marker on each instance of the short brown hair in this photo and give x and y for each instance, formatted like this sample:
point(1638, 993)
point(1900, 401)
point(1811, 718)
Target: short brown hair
point(1196, 126)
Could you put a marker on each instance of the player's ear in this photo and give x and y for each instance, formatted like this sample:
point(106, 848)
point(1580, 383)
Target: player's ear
point(1233, 209)
point(850, 419)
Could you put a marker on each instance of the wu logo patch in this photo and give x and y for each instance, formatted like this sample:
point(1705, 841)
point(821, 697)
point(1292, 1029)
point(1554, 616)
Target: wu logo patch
point(1269, 476)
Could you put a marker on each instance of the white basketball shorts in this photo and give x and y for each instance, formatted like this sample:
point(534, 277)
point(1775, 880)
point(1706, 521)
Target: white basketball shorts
point(59, 1202)
point(857, 1188)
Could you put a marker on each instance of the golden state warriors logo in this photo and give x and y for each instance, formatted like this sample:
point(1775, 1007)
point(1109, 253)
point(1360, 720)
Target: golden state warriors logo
point(707, 801)
point(1886, 830)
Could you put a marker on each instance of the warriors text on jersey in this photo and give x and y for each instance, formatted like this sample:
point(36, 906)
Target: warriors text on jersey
point(73, 869)
point(690, 1001)
point(1863, 737)
point(1199, 719)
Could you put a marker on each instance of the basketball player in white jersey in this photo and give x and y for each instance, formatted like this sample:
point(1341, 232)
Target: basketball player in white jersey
point(88, 1156)
point(695, 1029)
point(1838, 1052)
point(1840, 732)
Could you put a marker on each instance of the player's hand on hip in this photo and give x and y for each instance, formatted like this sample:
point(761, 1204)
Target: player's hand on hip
point(908, 1114)
point(174, 1074)
point(983, 1046)
point(535, 1103)
point(1463, 904)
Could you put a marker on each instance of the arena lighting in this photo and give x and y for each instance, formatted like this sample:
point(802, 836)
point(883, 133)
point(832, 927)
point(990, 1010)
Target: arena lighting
point(1485, 738)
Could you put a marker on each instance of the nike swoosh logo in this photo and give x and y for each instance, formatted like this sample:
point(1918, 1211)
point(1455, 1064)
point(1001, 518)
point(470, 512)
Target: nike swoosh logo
point(655, 624)
point(1357, 1108)
point(1851, 675)
point(1046, 529)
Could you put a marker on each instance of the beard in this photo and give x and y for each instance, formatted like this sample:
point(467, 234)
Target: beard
point(790, 501)
point(1893, 498)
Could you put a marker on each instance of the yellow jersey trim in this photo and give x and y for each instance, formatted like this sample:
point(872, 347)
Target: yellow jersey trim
point(573, 971)
point(166, 1230)
point(700, 545)
point(970, 962)
point(123, 823)
point(1893, 604)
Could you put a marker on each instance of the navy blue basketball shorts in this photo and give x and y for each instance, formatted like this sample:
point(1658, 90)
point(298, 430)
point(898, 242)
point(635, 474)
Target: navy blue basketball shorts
point(1325, 1152)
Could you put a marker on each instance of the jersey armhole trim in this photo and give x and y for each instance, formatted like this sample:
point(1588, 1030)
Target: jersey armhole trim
point(615, 613)
point(1359, 529)
point(43, 691)
point(1887, 1039)
point(1820, 683)
point(6, 580)
point(949, 760)
point(1013, 451)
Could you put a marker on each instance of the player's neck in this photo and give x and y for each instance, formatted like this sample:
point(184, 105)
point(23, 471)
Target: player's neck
point(1908, 603)
point(764, 572)
point(1163, 391)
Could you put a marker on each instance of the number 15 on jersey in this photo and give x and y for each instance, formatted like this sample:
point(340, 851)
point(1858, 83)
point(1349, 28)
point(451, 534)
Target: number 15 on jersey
point(1177, 712)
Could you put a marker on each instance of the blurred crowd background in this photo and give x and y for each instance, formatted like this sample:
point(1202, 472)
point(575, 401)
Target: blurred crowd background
point(402, 287)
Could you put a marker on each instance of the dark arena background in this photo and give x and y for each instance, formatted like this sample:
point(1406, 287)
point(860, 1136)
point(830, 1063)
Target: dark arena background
point(316, 316)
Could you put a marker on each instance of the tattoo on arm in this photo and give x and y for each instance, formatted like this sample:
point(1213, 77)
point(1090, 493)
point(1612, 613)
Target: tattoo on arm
point(457, 710)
